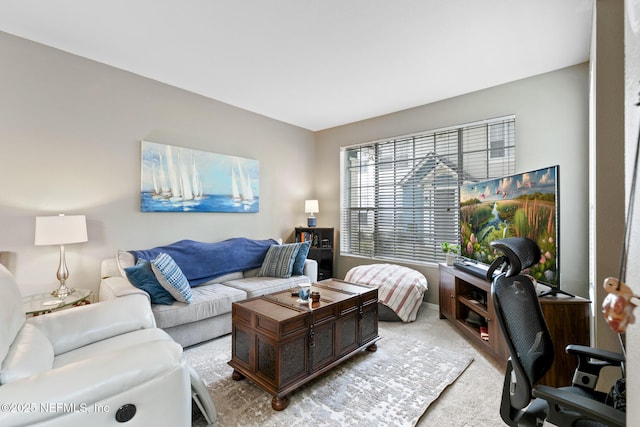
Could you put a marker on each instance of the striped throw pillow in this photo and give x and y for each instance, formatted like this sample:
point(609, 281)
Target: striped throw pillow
point(279, 261)
point(171, 277)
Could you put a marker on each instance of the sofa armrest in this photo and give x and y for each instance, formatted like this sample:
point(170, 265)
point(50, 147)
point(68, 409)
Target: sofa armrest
point(118, 286)
point(310, 270)
point(77, 327)
point(79, 386)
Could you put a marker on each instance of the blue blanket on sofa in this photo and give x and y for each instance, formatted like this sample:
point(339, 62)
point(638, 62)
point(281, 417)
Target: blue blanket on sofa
point(201, 262)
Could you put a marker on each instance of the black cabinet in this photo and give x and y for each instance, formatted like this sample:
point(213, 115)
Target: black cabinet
point(322, 243)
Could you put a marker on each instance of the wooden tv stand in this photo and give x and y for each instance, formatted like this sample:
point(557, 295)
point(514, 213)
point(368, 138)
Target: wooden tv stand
point(567, 319)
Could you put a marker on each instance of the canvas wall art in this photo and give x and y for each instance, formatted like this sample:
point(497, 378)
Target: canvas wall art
point(178, 179)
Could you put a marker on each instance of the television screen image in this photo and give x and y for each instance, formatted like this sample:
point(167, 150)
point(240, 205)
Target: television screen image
point(520, 205)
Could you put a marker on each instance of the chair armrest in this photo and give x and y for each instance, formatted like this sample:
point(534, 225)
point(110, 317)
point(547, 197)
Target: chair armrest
point(117, 286)
point(78, 386)
point(609, 356)
point(560, 400)
point(310, 269)
point(590, 362)
point(79, 326)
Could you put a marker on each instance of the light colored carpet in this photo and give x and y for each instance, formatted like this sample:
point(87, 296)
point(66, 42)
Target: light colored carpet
point(472, 400)
point(394, 385)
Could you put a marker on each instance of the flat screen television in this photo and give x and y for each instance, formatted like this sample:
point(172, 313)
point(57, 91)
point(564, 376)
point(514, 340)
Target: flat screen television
point(520, 205)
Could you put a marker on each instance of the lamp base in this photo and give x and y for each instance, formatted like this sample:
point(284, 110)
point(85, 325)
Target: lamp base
point(62, 291)
point(311, 221)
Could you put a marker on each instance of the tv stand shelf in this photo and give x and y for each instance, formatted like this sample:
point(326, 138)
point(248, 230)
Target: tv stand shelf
point(474, 305)
point(567, 319)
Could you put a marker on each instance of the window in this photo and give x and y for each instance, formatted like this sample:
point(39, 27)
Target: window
point(399, 197)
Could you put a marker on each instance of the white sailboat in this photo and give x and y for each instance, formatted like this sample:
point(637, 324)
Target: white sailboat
point(185, 179)
point(157, 191)
point(247, 192)
point(174, 177)
point(235, 192)
point(196, 182)
point(165, 189)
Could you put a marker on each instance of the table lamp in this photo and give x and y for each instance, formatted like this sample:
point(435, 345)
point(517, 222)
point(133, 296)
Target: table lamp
point(311, 207)
point(61, 230)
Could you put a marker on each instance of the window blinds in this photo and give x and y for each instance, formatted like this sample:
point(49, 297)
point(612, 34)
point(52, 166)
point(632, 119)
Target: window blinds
point(399, 197)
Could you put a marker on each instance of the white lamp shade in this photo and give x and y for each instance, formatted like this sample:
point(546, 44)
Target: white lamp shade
point(60, 230)
point(311, 206)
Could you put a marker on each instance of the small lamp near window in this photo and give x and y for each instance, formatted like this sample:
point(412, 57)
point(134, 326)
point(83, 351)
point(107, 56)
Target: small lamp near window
point(61, 230)
point(311, 207)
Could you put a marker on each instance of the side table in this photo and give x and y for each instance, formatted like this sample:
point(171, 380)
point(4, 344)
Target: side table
point(38, 304)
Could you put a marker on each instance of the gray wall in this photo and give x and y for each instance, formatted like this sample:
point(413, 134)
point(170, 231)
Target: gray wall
point(607, 158)
point(70, 132)
point(551, 128)
point(73, 128)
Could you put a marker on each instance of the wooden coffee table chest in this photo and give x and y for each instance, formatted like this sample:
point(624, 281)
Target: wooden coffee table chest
point(280, 344)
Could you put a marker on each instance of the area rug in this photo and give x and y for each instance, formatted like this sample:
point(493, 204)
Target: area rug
point(393, 386)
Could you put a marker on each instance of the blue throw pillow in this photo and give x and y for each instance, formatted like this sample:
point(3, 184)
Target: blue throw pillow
point(141, 276)
point(301, 257)
point(171, 278)
point(279, 261)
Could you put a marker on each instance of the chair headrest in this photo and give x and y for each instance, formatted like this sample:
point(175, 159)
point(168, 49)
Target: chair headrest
point(520, 253)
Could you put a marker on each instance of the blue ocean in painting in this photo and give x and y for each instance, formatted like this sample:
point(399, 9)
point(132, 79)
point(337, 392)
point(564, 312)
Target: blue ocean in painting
point(207, 203)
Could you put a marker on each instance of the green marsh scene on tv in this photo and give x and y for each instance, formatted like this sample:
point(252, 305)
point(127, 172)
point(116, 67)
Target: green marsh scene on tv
point(521, 205)
point(178, 179)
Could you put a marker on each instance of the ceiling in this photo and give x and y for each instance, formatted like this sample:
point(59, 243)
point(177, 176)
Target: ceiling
point(316, 63)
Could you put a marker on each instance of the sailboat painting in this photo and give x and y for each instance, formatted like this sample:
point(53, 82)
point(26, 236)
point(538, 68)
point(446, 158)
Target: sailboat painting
point(177, 179)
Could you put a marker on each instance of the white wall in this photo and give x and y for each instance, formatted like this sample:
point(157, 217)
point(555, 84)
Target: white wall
point(632, 131)
point(551, 128)
point(70, 132)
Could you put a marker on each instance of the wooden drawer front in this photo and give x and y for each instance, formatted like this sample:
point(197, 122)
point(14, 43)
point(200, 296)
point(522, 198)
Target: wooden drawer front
point(275, 329)
point(369, 297)
point(324, 314)
point(348, 306)
point(241, 315)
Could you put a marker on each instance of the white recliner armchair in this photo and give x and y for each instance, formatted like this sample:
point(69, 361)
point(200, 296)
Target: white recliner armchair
point(102, 364)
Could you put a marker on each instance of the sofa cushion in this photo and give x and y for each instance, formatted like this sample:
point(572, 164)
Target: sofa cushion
point(142, 277)
point(171, 278)
point(301, 257)
point(257, 286)
point(279, 261)
point(223, 278)
point(115, 343)
point(207, 301)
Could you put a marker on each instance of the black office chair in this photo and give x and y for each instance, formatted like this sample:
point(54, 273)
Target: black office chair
point(523, 325)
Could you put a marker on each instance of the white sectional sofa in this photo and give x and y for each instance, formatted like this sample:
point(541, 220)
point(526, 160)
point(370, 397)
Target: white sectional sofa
point(208, 314)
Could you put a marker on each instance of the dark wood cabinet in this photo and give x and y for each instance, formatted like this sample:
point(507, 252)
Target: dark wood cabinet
point(322, 247)
point(280, 344)
point(567, 319)
point(465, 300)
